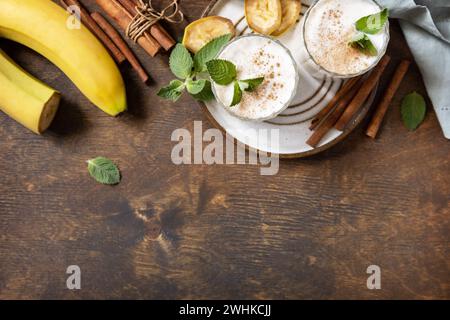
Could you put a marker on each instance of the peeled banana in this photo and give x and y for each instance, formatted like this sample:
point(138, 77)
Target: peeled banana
point(202, 31)
point(24, 98)
point(43, 26)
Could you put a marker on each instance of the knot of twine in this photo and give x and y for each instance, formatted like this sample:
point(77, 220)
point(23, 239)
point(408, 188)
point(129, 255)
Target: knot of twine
point(147, 16)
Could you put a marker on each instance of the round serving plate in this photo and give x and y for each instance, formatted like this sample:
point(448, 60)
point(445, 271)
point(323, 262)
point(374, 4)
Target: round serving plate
point(293, 124)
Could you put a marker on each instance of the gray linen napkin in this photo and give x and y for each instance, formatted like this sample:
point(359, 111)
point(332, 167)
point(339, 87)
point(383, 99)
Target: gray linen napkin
point(426, 25)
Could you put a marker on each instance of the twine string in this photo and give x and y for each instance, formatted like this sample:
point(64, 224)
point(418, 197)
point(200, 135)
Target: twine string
point(147, 16)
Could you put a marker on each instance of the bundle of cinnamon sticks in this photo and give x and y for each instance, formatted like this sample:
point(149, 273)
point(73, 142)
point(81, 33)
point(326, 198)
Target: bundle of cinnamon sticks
point(350, 99)
point(122, 12)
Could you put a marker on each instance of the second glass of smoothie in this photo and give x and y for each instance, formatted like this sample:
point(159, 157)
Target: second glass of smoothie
point(328, 28)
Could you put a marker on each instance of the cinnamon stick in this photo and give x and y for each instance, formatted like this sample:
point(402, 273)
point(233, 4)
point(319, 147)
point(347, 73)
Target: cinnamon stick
point(381, 109)
point(359, 100)
point(157, 31)
point(121, 44)
point(327, 124)
point(329, 107)
point(95, 29)
point(115, 10)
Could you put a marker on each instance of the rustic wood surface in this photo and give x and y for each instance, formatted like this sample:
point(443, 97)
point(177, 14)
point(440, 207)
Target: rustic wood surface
point(218, 232)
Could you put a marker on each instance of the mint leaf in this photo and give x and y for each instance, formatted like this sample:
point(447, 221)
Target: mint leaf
point(374, 23)
point(413, 110)
point(237, 95)
point(362, 42)
point(104, 171)
point(222, 72)
point(250, 85)
point(181, 62)
point(206, 94)
point(195, 86)
point(173, 91)
point(209, 52)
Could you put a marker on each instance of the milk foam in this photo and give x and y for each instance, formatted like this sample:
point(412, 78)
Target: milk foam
point(256, 56)
point(329, 29)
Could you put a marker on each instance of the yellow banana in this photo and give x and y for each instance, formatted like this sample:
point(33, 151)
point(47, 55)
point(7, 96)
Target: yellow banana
point(24, 98)
point(42, 26)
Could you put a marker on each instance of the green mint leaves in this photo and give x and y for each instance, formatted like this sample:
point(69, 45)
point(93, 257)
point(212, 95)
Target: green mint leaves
point(209, 52)
point(413, 110)
point(190, 72)
point(104, 171)
point(187, 68)
point(222, 72)
point(374, 23)
point(371, 24)
point(362, 42)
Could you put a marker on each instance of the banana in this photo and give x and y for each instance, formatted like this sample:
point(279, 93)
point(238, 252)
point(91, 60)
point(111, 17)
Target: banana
point(263, 16)
point(200, 32)
point(291, 13)
point(42, 26)
point(24, 98)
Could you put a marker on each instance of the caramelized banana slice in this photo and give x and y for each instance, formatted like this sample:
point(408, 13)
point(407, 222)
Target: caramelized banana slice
point(263, 16)
point(202, 31)
point(291, 12)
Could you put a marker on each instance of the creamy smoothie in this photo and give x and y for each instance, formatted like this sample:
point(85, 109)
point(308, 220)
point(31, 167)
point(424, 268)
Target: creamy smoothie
point(328, 29)
point(259, 56)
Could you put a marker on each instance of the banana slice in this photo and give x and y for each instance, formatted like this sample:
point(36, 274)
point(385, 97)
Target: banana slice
point(263, 16)
point(291, 12)
point(202, 31)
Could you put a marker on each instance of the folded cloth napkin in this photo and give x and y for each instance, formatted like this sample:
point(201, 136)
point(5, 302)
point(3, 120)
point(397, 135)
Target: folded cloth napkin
point(426, 25)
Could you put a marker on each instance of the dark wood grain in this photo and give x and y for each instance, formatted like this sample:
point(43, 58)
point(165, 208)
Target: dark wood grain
point(218, 232)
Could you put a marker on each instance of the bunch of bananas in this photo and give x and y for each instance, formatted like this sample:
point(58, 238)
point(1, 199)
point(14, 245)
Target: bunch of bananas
point(42, 26)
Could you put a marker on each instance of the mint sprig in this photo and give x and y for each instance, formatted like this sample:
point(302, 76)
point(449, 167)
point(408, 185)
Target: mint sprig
point(371, 24)
point(189, 71)
point(374, 23)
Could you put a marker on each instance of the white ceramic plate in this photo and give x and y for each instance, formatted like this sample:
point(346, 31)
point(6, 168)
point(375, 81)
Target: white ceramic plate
point(293, 124)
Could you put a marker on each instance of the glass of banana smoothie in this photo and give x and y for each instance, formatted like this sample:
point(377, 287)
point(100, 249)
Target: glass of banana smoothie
point(329, 28)
point(259, 56)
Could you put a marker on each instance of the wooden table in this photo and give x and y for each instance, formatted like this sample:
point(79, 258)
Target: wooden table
point(217, 232)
